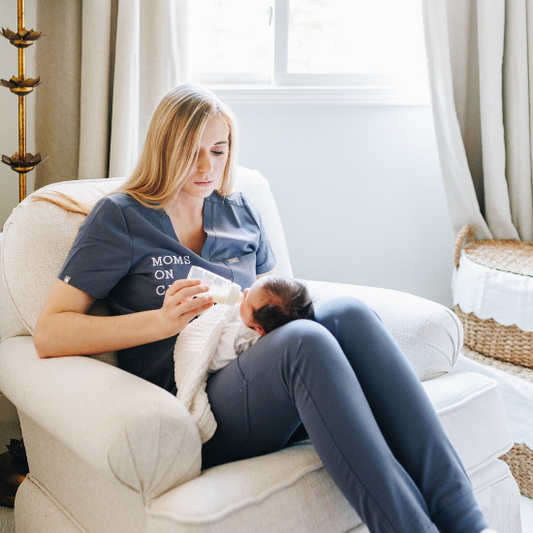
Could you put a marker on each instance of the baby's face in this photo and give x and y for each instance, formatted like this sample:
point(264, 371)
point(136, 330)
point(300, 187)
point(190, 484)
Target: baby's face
point(253, 298)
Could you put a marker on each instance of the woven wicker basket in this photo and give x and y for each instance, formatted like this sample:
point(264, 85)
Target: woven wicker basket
point(508, 343)
point(520, 461)
point(507, 348)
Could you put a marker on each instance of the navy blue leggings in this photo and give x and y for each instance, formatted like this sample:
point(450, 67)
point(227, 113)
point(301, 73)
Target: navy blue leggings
point(346, 380)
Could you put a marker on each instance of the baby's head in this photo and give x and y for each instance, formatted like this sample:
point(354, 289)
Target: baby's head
point(273, 301)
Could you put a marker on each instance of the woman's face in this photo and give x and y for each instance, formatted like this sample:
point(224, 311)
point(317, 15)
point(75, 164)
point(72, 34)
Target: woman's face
point(212, 157)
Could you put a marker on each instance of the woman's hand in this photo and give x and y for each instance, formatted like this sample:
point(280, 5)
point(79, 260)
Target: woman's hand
point(184, 300)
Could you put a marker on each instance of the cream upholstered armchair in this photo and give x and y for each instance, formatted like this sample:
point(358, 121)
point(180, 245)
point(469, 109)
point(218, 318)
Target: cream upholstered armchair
point(109, 452)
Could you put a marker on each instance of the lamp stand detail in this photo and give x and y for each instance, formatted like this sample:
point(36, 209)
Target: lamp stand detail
point(21, 161)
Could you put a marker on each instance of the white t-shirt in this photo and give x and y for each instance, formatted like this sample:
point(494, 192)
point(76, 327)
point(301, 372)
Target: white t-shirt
point(235, 339)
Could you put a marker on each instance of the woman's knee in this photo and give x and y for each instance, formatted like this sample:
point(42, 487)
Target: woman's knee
point(304, 337)
point(300, 330)
point(308, 352)
point(299, 347)
point(345, 312)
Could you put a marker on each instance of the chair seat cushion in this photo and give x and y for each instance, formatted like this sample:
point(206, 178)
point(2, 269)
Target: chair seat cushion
point(273, 490)
point(278, 487)
point(472, 412)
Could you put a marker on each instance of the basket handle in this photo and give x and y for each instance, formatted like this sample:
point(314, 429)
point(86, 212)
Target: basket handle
point(466, 231)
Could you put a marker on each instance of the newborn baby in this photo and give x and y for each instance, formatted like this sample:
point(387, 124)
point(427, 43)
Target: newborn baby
point(269, 303)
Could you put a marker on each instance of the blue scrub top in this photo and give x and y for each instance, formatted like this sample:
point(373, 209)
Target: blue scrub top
point(128, 255)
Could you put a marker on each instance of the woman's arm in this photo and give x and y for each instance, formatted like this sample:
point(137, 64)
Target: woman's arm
point(64, 328)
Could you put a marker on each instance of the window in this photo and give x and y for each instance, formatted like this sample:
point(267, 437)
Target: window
point(230, 41)
point(368, 47)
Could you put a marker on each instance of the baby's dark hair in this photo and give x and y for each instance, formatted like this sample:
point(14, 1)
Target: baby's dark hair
point(292, 301)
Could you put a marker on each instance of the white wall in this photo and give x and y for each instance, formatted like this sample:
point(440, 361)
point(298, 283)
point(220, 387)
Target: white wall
point(360, 192)
point(9, 180)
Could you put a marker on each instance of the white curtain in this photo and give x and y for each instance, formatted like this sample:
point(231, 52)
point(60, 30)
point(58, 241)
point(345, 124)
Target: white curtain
point(105, 64)
point(480, 61)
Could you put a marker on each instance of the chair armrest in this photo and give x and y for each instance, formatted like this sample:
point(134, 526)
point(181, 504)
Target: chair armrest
point(473, 415)
point(429, 334)
point(119, 424)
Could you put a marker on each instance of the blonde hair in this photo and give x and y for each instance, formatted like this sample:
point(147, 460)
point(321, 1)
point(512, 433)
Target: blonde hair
point(172, 142)
point(170, 150)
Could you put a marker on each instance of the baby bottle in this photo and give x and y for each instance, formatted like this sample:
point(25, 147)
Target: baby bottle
point(221, 289)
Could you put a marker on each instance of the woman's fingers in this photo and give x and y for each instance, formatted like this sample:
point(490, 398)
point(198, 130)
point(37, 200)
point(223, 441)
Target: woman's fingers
point(180, 293)
point(184, 300)
point(189, 315)
point(181, 284)
point(184, 312)
point(194, 304)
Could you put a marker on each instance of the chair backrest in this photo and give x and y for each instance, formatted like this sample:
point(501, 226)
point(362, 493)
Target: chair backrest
point(38, 235)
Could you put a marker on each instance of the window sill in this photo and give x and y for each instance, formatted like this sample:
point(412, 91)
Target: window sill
point(320, 95)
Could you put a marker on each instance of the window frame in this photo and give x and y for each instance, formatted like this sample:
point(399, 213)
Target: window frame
point(281, 86)
point(282, 77)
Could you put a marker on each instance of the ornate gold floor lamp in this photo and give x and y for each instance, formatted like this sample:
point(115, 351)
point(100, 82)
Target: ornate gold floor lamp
point(13, 464)
point(21, 161)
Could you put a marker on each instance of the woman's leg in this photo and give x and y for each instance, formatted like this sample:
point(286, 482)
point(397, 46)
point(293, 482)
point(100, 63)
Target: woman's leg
point(404, 414)
point(298, 373)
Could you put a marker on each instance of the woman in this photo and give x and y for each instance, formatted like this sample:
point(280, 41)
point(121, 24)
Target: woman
point(342, 377)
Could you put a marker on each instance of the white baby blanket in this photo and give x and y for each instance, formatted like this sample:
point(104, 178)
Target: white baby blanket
point(194, 352)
